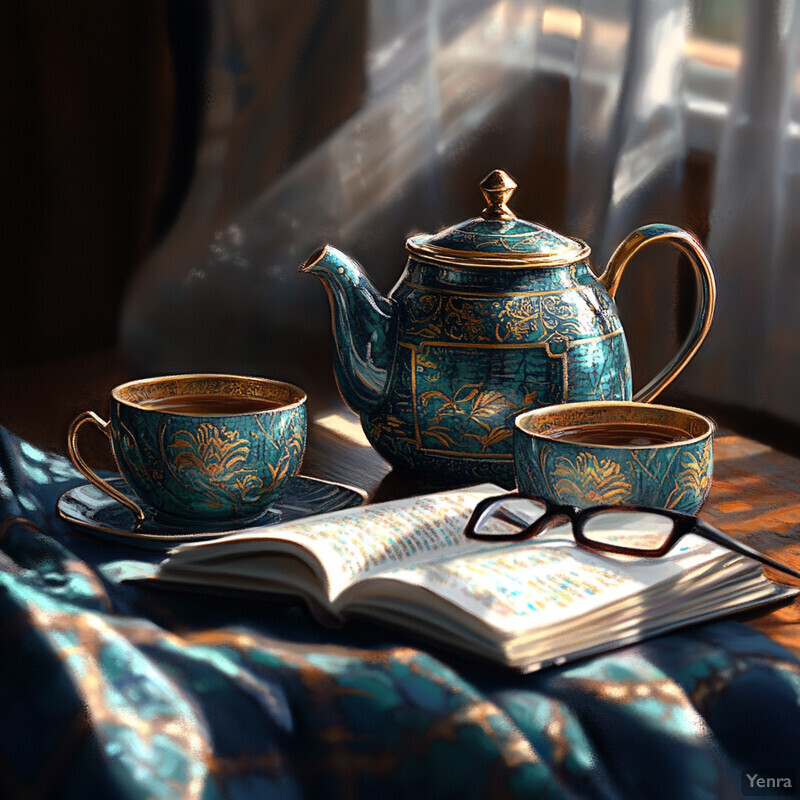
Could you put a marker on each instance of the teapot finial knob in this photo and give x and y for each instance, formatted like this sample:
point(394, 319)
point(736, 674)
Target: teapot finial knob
point(497, 188)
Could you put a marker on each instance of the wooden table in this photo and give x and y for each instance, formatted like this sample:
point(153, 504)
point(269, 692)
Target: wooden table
point(755, 494)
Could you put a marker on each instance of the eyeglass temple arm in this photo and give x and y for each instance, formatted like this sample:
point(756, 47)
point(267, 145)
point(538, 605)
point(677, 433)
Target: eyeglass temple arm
point(720, 537)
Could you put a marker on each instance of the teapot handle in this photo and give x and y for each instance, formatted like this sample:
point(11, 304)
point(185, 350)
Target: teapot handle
point(706, 295)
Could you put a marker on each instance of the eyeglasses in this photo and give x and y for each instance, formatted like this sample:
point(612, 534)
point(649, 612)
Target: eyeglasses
point(627, 530)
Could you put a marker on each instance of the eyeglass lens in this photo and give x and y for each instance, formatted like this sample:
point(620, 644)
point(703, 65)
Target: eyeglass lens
point(520, 512)
point(640, 530)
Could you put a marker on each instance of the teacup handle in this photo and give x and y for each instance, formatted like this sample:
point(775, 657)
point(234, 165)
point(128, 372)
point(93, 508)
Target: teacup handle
point(86, 471)
point(707, 294)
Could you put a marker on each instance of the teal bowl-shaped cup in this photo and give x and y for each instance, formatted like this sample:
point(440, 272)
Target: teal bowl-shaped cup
point(559, 455)
point(207, 448)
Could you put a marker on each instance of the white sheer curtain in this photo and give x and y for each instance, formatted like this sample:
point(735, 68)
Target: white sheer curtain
point(645, 95)
point(753, 352)
point(627, 150)
point(627, 137)
point(454, 90)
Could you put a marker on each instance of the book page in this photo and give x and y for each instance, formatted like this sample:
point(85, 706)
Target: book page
point(549, 581)
point(358, 541)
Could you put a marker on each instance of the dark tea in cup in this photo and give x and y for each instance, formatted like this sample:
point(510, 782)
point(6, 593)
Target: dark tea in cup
point(210, 405)
point(615, 453)
point(620, 434)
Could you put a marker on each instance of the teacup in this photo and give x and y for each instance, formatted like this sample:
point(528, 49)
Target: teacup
point(213, 448)
point(615, 453)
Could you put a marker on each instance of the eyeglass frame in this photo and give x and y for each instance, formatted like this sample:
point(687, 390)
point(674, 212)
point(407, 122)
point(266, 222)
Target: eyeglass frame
point(682, 524)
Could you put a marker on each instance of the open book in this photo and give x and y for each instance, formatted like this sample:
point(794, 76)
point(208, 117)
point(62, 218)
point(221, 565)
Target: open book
point(523, 604)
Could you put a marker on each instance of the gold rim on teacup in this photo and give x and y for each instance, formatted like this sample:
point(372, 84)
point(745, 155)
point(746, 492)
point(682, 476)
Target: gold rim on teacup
point(557, 417)
point(287, 394)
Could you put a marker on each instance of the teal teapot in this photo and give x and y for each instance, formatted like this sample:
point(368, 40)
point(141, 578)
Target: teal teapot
point(492, 317)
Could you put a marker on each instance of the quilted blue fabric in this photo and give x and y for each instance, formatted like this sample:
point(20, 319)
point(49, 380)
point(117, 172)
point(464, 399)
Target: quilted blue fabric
point(110, 690)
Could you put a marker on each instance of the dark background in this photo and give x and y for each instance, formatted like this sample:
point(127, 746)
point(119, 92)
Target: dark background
point(103, 105)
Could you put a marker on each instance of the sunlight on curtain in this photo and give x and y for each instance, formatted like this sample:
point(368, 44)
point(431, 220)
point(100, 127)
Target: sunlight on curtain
point(223, 289)
point(753, 352)
point(626, 132)
point(453, 88)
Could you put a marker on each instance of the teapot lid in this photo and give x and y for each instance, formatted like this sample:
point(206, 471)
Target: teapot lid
point(498, 237)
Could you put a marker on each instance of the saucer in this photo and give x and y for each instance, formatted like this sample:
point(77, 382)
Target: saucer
point(97, 513)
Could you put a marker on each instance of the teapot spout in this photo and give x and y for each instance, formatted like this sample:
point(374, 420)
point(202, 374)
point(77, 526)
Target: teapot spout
point(364, 328)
